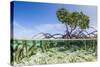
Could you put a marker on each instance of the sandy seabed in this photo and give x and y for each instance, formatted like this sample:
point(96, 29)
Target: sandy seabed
point(56, 56)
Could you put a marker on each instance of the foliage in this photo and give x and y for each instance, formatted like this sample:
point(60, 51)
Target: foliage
point(73, 19)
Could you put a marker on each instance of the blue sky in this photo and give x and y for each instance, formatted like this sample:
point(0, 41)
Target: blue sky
point(31, 18)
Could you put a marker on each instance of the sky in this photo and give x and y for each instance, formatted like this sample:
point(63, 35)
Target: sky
point(31, 18)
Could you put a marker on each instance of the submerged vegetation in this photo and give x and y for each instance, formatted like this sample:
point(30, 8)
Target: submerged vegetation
point(29, 52)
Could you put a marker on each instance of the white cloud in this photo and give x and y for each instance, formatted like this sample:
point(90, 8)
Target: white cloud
point(49, 28)
point(21, 32)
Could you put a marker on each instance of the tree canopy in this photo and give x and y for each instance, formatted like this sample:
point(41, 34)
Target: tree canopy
point(73, 20)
